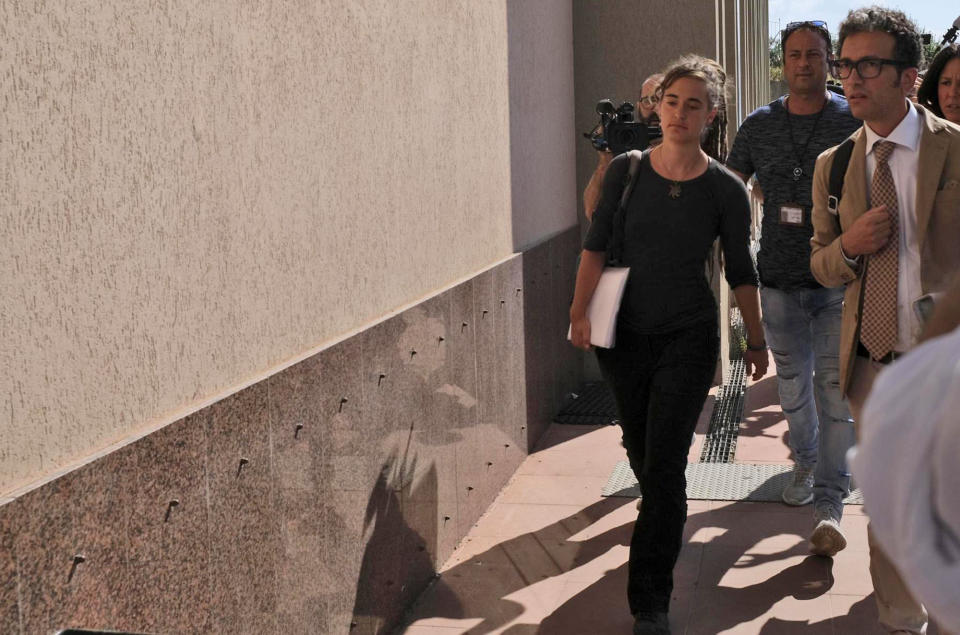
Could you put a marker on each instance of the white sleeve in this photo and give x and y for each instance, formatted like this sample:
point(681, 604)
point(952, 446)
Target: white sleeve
point(908, 466)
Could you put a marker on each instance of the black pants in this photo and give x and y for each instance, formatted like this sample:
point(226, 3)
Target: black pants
point(660, 383)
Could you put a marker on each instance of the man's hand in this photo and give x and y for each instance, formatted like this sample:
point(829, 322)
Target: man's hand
point(868, 234)
point(757, 360)
point(580, 332)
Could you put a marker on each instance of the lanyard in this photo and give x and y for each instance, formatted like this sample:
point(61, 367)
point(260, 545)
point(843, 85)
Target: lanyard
point(799, 156)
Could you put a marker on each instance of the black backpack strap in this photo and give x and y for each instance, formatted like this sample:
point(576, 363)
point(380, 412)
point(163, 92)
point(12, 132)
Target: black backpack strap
point(631, 180)
point(615, 253)
point(841, 159)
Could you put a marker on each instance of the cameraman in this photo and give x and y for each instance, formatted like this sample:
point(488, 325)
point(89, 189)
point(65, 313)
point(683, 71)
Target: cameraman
point(649, 109)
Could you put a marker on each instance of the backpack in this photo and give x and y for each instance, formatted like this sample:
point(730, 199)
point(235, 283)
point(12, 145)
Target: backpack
point(841, 159)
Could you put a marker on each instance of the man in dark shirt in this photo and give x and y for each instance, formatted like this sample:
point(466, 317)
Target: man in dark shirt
point(780, 143)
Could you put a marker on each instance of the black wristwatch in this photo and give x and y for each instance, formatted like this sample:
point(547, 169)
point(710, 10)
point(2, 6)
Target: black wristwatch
point(762, 347)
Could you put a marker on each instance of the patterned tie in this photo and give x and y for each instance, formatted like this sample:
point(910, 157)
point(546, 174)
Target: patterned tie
point(878, 327)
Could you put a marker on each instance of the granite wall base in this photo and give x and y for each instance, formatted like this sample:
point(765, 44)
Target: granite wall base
point(321, 500)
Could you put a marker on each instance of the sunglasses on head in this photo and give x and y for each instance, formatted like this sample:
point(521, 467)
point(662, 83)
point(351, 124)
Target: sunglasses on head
point(820, 24)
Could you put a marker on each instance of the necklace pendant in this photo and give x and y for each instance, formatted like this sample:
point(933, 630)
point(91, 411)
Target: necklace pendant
point(675, 190)
point(797, 173)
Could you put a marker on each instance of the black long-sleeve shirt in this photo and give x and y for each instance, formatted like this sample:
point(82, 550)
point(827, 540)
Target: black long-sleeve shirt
point(667, 241)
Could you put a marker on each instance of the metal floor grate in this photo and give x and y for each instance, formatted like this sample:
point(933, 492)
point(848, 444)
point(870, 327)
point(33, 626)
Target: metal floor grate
point(594, 405)
point(721, 481)
point(720, 444)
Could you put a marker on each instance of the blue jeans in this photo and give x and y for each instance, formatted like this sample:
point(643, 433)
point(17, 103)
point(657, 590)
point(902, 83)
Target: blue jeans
point(803, 331)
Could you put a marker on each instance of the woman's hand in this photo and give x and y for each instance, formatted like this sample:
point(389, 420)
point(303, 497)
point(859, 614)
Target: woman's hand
point(757, 360)
point(755, 357)
point(580, 332)
point(591, 268)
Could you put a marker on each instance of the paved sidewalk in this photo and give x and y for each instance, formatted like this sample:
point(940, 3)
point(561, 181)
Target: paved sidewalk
point(550, 554)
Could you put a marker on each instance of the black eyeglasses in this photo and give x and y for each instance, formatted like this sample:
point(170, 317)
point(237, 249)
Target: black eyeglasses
point(867, 68)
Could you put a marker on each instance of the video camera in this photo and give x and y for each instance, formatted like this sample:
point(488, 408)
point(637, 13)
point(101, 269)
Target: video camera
point(617, 130)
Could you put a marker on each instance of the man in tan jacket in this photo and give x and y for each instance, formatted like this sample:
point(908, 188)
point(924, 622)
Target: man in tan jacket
point(895, 234)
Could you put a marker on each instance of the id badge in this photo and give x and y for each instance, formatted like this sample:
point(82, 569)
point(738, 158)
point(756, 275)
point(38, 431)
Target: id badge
point(791, 214)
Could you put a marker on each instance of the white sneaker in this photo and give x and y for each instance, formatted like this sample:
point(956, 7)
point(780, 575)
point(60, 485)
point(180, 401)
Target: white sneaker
point(800, 491)
point(827, 539)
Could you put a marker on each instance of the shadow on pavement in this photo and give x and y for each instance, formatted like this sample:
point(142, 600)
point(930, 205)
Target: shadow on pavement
point(481, 587)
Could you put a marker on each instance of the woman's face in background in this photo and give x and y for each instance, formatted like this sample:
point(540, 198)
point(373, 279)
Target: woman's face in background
point(948, 90)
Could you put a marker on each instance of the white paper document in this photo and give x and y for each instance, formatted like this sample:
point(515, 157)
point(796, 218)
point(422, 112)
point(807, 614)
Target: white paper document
point(604, 306)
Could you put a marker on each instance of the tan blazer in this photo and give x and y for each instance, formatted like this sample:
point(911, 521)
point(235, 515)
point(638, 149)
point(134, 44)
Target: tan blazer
point(938, 222)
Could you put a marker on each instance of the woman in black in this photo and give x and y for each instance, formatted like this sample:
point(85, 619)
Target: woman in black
point(667, 341)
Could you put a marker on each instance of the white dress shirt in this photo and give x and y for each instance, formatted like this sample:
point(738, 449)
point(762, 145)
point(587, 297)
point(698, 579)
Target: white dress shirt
point(903, 164)
point(910, 474)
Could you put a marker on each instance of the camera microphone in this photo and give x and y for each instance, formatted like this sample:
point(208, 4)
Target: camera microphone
point(951, 35)
point(606, 107)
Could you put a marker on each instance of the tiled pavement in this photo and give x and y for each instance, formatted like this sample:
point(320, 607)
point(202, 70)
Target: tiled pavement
point(550, 554)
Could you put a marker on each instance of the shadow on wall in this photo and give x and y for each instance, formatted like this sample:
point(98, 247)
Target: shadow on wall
point(443, 418)
point(324, 495)
point(395, 507)
point(553, 367)
point(492, 365)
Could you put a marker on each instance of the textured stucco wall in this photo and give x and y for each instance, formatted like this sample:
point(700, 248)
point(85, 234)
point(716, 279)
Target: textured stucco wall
point(192, 193)
point(542, 134)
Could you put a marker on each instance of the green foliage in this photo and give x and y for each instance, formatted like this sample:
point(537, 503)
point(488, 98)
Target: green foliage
point(929, 52)
point(776, 58)
point(776, 52)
